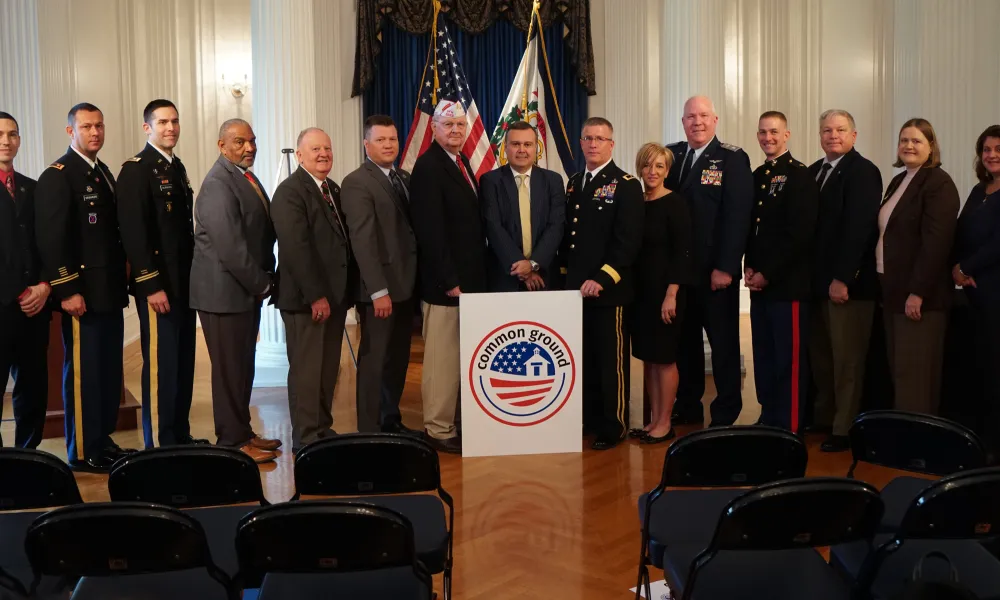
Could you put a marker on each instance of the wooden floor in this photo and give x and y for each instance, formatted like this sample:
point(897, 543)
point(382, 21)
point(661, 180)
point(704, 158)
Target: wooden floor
point(545, 527)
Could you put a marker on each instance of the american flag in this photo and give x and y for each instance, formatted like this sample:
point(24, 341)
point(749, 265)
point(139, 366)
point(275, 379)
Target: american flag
point(522, 374)
point(451, 85)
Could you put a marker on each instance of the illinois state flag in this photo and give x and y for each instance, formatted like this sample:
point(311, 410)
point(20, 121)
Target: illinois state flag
point(444, 79)
point(526, 102)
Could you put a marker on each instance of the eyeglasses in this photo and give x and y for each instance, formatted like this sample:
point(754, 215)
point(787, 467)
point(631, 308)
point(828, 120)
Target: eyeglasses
point(594, 138)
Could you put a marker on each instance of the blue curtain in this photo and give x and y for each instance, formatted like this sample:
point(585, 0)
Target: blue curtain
point(490, 60)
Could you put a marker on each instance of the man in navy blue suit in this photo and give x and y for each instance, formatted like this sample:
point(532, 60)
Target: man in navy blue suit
point(524, 206)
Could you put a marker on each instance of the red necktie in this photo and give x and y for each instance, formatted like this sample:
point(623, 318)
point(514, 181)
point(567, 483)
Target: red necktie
point(461, 167)
point(9, 182)
point(256, 188)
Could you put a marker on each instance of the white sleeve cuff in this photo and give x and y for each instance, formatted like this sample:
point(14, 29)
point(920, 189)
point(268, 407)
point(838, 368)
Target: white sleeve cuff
point(380, 293)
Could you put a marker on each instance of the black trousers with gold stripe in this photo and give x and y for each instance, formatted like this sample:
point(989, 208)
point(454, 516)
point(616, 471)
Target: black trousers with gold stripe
point(92, 380)
point(168, 347)
point(605, 371)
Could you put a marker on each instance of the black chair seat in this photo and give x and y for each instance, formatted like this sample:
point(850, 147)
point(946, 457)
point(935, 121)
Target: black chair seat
point(430, 531)
point(683, 517)
point(383, 584)
point(897, 495)
point(190, 584)
point(220, 524)
point(977, 569)
point(755, 574)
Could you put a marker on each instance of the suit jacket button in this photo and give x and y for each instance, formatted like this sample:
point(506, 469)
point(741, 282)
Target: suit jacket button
point(571, 246)
point(575, 219)
point(762, 187)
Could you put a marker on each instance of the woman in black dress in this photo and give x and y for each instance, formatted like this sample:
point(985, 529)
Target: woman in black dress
point(977, 269)
point(662, 270)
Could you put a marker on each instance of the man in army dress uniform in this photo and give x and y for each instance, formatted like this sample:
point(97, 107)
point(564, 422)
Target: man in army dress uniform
point(76, 226)
point(155, 200)
point(778, 273)
point(601, 239)
point(717, 181)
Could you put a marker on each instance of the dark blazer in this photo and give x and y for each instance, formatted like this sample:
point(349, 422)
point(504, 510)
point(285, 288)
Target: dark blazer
point(782, 225)
point(502, 212)
point(847, 227)
point(448, 223)
point(76, 228)
point(719, 189)
point(977, 246)
point(918, 239)
point(19, 260)
point(155, 203)
point(382, 237)
point(313, 245)
point(233, 242)
point(603, 234)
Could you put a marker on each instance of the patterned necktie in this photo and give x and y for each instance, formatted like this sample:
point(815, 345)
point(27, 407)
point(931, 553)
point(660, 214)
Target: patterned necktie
point(333, 207)
point(461, 167)
point(397, 184)
point(256, 188)
point(823, 172)
point(686, 166)
point(524, 205)
point(9, 182)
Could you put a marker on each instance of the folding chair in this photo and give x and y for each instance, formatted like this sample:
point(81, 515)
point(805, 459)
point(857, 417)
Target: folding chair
point(193, 477)
point(953, 516)
point(720, 457)
point(108, 545)
point(328, 549)
point(764, 542)
point(911, 442)
point(376, 468)
point(29, 479)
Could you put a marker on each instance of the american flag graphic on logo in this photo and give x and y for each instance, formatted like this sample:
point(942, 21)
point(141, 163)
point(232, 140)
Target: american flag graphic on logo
point(524, 374)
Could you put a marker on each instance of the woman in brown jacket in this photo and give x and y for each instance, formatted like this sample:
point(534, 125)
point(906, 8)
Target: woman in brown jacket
point(916, 228)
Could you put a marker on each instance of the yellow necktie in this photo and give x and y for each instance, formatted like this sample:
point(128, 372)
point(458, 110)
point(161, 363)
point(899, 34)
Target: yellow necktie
point(524, 204)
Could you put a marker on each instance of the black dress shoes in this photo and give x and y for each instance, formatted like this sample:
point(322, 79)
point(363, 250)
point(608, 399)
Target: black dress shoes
point(192, 441)
point(649, 439)
point(398, 427)
point(606, 442)
point(450, 445)
point(836, 443)
point(96, 464)
point(114, 451)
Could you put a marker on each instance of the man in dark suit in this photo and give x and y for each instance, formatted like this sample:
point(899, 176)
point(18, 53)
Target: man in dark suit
point(376, 201)
point(717, 181)
point(448, 224)
point(524, 207)
point(603, 234)
point(76, 227)
point(778, 272)
point(844, 280)
point(24, 317)
point(155, 201)
point(232, 272)
point(318, 284)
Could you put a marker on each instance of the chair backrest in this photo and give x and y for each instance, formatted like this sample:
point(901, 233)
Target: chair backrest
point(798, 513)
point(367, 464)
point(324, 536)
point(186, 476)
point(734, 457)
point(117, 538)
point(914, 442)
point(35, 479)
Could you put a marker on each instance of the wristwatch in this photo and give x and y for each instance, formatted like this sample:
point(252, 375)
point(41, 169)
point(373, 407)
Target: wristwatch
point(534, 266)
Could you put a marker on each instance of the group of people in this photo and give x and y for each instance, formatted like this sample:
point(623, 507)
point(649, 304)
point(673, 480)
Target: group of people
point(658, 259)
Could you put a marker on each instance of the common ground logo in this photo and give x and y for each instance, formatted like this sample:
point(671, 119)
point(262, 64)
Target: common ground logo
point(522, 373)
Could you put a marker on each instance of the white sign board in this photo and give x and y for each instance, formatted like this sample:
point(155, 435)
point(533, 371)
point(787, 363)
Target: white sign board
point(522, 375)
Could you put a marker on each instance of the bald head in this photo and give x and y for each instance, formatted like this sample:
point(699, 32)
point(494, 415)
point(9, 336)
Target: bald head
point(238, 143)
point(315, 152)
point(699, 121)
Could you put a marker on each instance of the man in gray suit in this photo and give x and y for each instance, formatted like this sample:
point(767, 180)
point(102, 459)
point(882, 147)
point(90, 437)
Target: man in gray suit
point(524, 207)
point(231, 274)
point(318, 284)
point(377, 207)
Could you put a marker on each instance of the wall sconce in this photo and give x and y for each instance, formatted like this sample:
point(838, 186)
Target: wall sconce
point(237, 89)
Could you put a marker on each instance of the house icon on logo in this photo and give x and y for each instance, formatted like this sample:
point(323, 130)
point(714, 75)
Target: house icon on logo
point(537, 365)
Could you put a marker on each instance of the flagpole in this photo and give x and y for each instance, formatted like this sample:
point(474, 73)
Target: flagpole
point(434, 28)
point(531, 26)
point(548, 74)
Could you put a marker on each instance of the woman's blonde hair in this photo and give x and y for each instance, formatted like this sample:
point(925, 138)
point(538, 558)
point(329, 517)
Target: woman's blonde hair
point(648, 153)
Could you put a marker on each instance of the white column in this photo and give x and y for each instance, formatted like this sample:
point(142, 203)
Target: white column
point(298, 81)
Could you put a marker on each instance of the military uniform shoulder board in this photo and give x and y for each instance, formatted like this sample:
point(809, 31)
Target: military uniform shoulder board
point(133, 159)
point(731, 147)
point(627, 177)
point(57, 166)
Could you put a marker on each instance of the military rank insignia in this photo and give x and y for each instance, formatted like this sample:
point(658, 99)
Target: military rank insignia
point(711, 176)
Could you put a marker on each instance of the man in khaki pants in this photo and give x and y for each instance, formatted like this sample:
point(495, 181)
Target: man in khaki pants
point(444, 200)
